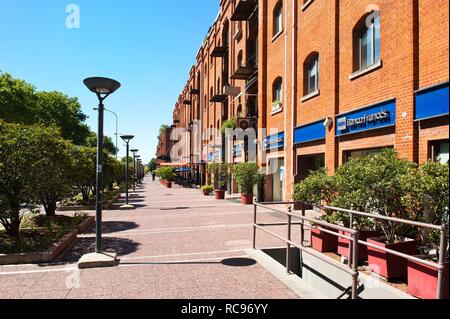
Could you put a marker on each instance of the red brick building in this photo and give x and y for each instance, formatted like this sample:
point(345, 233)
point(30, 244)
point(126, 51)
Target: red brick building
point(328, 79)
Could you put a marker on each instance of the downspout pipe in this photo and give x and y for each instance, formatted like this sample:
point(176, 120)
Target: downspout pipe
point(285, 89)
point(294, 87)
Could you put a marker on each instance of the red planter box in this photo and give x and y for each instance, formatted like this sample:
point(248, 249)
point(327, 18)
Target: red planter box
point(323, 242)
point(220, 194)
point(246, 199)
point(343, 244)
point(422, 280)
point(165, 183)
point(388, 265)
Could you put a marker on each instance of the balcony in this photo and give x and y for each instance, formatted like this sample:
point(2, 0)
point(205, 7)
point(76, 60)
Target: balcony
point(218, 98)
point(244, 10)
point(244, 72)
point(194, 91)
point(219, 52)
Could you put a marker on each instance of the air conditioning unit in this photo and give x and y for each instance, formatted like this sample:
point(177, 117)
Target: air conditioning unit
point(244, 123)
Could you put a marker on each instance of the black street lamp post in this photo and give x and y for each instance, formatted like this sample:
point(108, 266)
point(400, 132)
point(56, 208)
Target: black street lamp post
point(138, 159)
point(102, 87)
point(127, 139)
point(134, 151)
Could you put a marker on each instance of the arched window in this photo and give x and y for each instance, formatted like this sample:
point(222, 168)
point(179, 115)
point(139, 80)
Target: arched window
point(278, 18)
point(239, 59)
point(366, 41)
point(311, 74)
point(277, 94)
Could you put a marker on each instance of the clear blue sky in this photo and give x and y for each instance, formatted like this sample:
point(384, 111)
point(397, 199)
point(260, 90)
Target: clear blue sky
point(147, 45)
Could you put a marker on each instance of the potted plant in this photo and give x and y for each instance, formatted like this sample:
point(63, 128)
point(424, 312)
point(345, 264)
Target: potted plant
point(383, 193)
point(318, 187)
point(427, 193)
point(207, 189)
point(247, 176)
point(166, 175)
point(228, 124)
point(220, 174)
point(372, 184)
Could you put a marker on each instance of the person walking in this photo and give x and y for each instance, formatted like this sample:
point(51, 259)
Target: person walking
point(153, 175)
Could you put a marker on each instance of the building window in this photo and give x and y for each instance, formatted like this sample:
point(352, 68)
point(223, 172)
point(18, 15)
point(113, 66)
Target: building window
point(278, 18)
point(277, 95)
point(367, 41)
point(440, 152)
point(311, 68)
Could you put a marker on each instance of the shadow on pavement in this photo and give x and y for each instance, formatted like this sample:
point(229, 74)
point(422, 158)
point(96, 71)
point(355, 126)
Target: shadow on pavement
point(120, 246)
point(231, 262)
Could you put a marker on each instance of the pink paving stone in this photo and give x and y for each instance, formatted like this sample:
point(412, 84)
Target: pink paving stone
point(171, 247)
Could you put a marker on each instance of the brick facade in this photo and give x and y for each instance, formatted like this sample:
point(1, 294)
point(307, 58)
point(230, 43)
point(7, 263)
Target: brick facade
point(413, 59)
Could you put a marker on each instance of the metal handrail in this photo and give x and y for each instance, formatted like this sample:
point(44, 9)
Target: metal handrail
point(351, 269)
point(439, 266)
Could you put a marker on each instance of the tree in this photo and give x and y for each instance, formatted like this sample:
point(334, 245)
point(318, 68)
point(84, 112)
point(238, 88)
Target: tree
point(108, 145)
point(20, 162)
point(84, 174)
point(55, 167)
point(17, 100)
point(152, 165)
point(64, 112)
point(21, 103)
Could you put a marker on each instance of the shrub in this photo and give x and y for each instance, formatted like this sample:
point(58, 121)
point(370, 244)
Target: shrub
point(166, 173)
point(247, 176)
point(220, 174)
point(207, 188)
point(228, 124)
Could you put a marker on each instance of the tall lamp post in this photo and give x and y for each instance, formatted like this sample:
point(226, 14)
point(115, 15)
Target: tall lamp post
point(102, 87)
point(127, 139)
point(138, 167)
point(134, 151)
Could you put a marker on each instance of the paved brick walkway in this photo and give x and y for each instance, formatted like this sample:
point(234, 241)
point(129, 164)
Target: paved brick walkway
point(177, 244)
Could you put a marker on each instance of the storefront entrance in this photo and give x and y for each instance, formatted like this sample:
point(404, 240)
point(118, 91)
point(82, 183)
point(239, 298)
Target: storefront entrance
point(278, 178)
point(308, 163)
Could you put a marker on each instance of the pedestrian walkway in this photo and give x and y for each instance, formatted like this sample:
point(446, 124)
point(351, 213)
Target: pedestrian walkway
point(177, 244)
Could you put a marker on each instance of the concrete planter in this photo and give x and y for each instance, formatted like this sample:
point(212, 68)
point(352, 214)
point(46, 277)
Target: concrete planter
point(423, 280)
point(108, 205)
point(388, 265)
point(323, 242)
point(67, 242)
point(86, 225)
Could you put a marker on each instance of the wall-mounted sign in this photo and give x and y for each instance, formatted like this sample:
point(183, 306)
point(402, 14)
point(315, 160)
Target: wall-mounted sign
point(432, 102)
point(274, 141)
point(237, 150)
point(310, 132)
point(214, 156)
point(369, 118)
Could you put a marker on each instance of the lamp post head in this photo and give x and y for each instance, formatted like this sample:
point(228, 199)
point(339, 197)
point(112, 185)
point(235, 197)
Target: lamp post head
point(101, 86)
point(134, 151)
point(127, 138)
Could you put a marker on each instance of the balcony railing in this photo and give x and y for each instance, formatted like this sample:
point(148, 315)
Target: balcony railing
point(244, 10)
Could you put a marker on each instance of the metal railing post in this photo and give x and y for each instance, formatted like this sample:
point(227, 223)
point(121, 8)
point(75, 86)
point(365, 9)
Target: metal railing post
point(442, 247)
point(350, 246)
point(302, 227)
point(254, 225)
point(354, 265)
point(289, 236)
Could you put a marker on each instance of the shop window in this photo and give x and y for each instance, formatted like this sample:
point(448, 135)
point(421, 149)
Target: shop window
point(362, 153)
point(440, 151)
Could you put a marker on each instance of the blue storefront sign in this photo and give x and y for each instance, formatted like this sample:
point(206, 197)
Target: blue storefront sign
point(275, 141)
point(310, 132)
point(369, 118)
point(214, 157)
point(237, 150)
point(432, 102)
